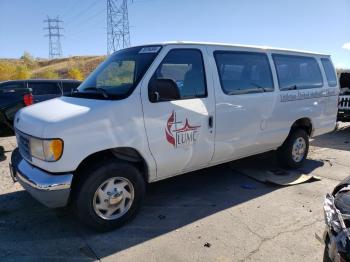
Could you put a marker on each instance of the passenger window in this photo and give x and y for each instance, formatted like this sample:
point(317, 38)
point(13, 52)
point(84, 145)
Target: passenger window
point(297, 72)
point(243, 72)
point(329, 70)
point(185, 68)
point(45, 88)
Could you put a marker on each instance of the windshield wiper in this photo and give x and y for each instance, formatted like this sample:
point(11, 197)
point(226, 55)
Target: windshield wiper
point(259, 86)
point(293, 87)
point(101, 90)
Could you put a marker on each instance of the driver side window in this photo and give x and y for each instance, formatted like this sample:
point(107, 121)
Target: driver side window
point(183, 69)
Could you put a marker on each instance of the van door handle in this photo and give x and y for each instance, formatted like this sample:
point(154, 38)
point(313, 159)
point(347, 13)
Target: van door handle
point(210, 121)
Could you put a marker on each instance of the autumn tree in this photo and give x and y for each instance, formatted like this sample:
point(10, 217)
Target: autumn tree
point(49, 74)
point(29, 60)
point(7, 71)
point(22, 72)
point(75, 73)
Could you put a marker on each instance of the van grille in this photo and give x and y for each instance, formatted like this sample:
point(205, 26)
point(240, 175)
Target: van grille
point(344, 102)
point(23, 145)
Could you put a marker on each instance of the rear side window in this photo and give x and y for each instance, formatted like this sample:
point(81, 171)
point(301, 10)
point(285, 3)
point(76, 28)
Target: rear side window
point(45, 88)
point(11, 87)
point(329, 70)
point(69, 87)
point(185, 67)
point(243, 72)
point(297, 72)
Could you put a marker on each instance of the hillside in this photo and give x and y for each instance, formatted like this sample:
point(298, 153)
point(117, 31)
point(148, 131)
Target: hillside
point(77, 67)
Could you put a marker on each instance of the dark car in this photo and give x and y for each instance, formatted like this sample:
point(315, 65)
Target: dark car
point(337, 218)
point(11, 100)
point(16, 94)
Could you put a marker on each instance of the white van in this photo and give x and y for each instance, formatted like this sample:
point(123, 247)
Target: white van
point(157, 111)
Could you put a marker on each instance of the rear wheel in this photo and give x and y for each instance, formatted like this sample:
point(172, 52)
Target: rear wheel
point(293, 152)
point(110, 196)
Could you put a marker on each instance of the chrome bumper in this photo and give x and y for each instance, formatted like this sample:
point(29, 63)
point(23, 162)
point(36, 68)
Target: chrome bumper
point(51, 190)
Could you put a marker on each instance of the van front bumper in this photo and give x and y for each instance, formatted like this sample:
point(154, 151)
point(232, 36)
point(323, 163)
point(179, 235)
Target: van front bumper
point(52, 190)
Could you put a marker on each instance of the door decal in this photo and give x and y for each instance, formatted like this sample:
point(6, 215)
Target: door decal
point(180, 136)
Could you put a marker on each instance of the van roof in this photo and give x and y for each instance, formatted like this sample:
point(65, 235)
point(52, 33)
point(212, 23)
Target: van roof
point(253, 47)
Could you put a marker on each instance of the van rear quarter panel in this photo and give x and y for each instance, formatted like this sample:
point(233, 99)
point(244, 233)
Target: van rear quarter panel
point(317, 104)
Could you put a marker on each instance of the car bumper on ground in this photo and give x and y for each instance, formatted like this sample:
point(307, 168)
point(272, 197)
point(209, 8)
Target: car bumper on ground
point(52, 190)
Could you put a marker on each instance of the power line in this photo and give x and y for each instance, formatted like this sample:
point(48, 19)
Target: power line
point(86, 24)
point(118, 33)
point(53, 28)
point(76, 17)
point(69, 8)
point(90, 18)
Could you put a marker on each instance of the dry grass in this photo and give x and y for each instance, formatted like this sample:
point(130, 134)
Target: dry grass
point(60, 67)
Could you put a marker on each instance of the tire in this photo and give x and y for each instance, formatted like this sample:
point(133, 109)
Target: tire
point(112, 176)
point(299, 141)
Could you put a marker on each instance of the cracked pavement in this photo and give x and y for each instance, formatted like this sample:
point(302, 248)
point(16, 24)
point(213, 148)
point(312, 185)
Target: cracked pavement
point(215, 214)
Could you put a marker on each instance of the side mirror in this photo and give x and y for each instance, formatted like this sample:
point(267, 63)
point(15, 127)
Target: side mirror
point(163, 89)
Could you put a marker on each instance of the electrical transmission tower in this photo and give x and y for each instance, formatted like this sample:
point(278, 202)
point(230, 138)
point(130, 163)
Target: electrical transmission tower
point(53, 28)
point(118, 34)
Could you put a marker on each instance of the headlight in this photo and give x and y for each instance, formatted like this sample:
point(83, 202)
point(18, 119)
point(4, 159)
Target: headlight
point(46, 149)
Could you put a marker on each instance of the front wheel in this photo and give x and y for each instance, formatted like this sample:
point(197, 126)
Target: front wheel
point(293, 152)
point(110, 195)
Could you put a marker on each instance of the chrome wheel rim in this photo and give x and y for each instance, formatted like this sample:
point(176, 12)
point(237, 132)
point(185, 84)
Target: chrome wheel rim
point(113, 198)
point(299, 149)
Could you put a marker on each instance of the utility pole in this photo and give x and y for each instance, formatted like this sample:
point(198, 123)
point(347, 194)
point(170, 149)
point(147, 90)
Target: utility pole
point(118, 34)
point(53, 28)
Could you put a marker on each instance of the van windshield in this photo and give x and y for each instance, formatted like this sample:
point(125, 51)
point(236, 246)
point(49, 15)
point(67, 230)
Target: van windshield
point(119, 75)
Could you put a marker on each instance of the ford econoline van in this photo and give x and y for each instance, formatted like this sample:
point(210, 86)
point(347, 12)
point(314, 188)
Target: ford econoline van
point(156, 111)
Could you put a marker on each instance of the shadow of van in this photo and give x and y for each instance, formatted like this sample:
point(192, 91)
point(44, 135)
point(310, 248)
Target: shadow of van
point(339, 139)
point(170, 204)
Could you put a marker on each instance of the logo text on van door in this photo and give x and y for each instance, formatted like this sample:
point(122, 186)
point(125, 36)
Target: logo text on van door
point(180, 136)
point(308, 94)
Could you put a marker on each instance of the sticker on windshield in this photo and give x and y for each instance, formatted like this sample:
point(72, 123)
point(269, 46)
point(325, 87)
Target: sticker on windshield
point(149, 49)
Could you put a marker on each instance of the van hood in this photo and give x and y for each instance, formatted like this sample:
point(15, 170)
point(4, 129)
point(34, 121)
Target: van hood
point(33, 120)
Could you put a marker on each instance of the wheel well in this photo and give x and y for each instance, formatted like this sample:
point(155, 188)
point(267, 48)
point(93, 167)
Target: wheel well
point(125, 154)
point(303, 123)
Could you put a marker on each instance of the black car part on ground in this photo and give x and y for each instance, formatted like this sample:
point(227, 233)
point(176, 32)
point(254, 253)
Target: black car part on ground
point(337, 217)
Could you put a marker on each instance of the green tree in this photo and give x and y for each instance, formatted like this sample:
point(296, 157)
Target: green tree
point(75, 73)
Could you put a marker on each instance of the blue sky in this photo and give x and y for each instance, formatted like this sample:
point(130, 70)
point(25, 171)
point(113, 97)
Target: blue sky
point(315, 25)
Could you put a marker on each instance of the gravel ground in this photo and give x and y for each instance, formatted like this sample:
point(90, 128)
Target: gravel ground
point(215, 214)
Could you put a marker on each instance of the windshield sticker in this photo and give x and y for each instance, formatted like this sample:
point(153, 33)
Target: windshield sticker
point(301, 95)
point(180, 134)
point(149, 49)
